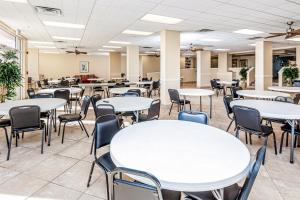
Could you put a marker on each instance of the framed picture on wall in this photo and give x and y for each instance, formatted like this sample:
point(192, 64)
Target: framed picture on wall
point(244, 63)
point(84, 66)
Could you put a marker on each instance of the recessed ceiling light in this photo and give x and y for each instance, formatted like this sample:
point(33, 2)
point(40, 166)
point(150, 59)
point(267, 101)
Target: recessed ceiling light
point(111, 47)
point(209, 40)
point(17, 1)
point(45, 47)
point(134, 32)
point(222, 49)
point(66, 38)
point(161, 19)
point(252, 44)
point(107, 50)
point(63, 25)
point(248, 32)
point(297, 39)
point(119, 42)
point(150, 52)
point(39, 42)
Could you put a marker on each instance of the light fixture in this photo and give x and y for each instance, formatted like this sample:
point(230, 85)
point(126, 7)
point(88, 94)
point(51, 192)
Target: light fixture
point(63, 25)
point(118, 42)
point(65, 38)
point(222, 49)
point(161, 19)
point(134, 32)
point(296, 39)
point(39, 42)
point(253, 45)
point(111, 47)
point(45, 47)
point(150, 52)
point(248, 32)
point(107, 50)
point(210, 40)
point(17, 1)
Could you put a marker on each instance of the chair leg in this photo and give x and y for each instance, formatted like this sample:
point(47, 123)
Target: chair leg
point(43, 135)
point(59, 128)
point(281, 142)
point(9, 146)
point(250, 138)
point(84, 128)
point(171, 108)
point(190, 106)
point(17, 137)
point(295, 141)
point(6, 136)
point(287, 140)
point(63, 134)
point(246, 136)
point(91, 173)
point(237, 133)
point(265, 144)
point(92, 145)
point(229, 126)
point(22, 134)
point(81, 127)
point(275, 143)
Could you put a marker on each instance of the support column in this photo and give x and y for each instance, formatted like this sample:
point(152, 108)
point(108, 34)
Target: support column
point(298, 57)
point(33, 63)
point(224, 59)
point(133, 63)
point(169, 63)
point(263, 65)
point(115, 64)
point(203, 68)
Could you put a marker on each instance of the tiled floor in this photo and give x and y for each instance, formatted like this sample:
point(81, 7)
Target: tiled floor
point(62, 171)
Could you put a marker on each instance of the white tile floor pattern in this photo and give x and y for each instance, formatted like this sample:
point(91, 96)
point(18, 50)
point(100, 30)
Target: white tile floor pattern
point(62, 171)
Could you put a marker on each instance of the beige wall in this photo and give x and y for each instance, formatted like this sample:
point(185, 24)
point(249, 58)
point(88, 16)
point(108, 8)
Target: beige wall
point(58, 65)
point(115, 64)
point(33, 63)
point(150, 64)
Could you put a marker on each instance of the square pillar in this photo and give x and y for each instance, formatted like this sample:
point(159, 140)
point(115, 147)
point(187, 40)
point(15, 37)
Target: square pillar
point(133, 63)
point(203, 68)
point(114, 64)
point(224, 59)
point(169, 63)
point(298, 57)
point(263, 65)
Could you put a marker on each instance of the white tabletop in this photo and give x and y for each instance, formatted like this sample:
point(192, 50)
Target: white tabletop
point(271, 109)
point(45, 104)
point(123, 90)
point(261, 94)
point(101, 84)
point(285, 89)
point(117, 78)
point(126, 104)
point(54, 81)
point(95, 79)
point(195, 92)
point(70, 79)
point(52, 90)
point(184, 156)
point(144, 82)
point(226, 82)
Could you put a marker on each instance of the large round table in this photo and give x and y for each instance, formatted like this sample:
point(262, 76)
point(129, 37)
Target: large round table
point(198, 93)
point(261, 94)
point(128, 104)
point(122, 90)
point(73, 90)
point(45, 104)
point(184, 156)
point(96, 79)
point(275, 110)
point(285, 89)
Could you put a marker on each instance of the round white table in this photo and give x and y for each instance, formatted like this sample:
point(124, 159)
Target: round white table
point(96, 79)
point(45, 104)
point(72, 90)
point(198, 93)
point(54, 82)
point(261, 94)
point(293, 90)
point(128, 104)
point(144, 83)
point(123, 90)
point(275, 110)
point(184, 156)
point(226, 82)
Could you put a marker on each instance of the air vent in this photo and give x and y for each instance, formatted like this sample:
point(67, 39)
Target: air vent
point(255, 38)
point(48, 11)
point(204, 30)
point(60, 41)
point(147, 47)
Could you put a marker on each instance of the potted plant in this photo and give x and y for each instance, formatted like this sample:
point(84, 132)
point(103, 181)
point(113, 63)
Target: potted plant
point(290, 73)
point(243, 73)
point(10, 75)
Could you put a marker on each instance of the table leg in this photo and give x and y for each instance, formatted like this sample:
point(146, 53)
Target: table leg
point(136, 116)
point(292, 124)
point(76, 102)
point(210, 106)
point(184, 99)
point(50, 126)
point(200, 103)
point(54, 120)
point(218, 194)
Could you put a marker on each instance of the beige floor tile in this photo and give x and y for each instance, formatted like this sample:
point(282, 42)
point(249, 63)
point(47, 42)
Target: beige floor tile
point(98, 188)
point(289, 190)
point(7, 174)
point(77, 151)
point(89, 197)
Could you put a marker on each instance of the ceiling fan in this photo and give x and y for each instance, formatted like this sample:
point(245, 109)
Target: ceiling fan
point(290, 32)
point(193, 48)
point(77, 52)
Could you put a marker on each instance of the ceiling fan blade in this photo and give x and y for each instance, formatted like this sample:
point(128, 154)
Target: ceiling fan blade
point(82, 52)
point(70, 52)
point(278, 35)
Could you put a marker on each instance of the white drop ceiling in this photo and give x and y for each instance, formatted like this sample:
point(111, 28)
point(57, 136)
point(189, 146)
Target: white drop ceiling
point(105, 20)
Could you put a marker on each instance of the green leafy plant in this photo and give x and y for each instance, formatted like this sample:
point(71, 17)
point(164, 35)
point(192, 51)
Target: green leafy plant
point(243, 73)
point(10, 73)
point(290, 73)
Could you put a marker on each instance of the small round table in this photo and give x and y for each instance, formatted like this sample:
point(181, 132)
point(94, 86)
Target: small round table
point(184, 156)
point(54, 82)
point(261, 94)
point(199, 93)
point(72, 90)
point(128, 104)
point(144, 83)
point(275, 110)
point(96, 79)
point(123, 90)
point(45, 104)
point(226, 82)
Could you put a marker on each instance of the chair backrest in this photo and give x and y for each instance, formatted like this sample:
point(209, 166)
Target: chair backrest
point(247, 118)
point(104, 109)
point(296, 83)
point(30, 93)
point(106, 127)
point(25, 117)
point(44, 95)
point(193, 116)
point(145, 79)
point(234, 90)
point(247, 186)
point(155, 85)
point(227, 100)
point(284, 99)
point(62, 94)
point(45, 82)
point(174, 95)
point(297, 99)
point(39, 84)
point(94, 100)
point(236, 84)
point(130, 94)
point(82, 92)
point(154, 110)
point(134, 190)
point(85, 105)
point(138, 91)
point(65, 83)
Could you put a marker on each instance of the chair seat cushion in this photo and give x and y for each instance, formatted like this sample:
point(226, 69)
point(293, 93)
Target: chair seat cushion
point(4, 122)
point(45, 114)
point(69, 117)
point(230, 193)
point(106, 162)
point(142, 118)
point(186, 101)
point(287, 128)
point(267, 130)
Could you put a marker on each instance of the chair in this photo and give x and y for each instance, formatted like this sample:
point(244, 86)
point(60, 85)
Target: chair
point(153, 112)
point(130, 94)
point(249, 120)
point(25, 119)
point(77, 99)
point(215, 86)
point(227, 100)
point(63, 94)
point(30, 93)
point(174, 97)
point(94, 100)
point(65, 83)
point(138, 91)
point(193, 116)
point(40, 85)
point(236, 84)
point(155, 87)
point(233, 91)
point(106, 127)
point(66, 118)
point(235, 192)
point(46, 83)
